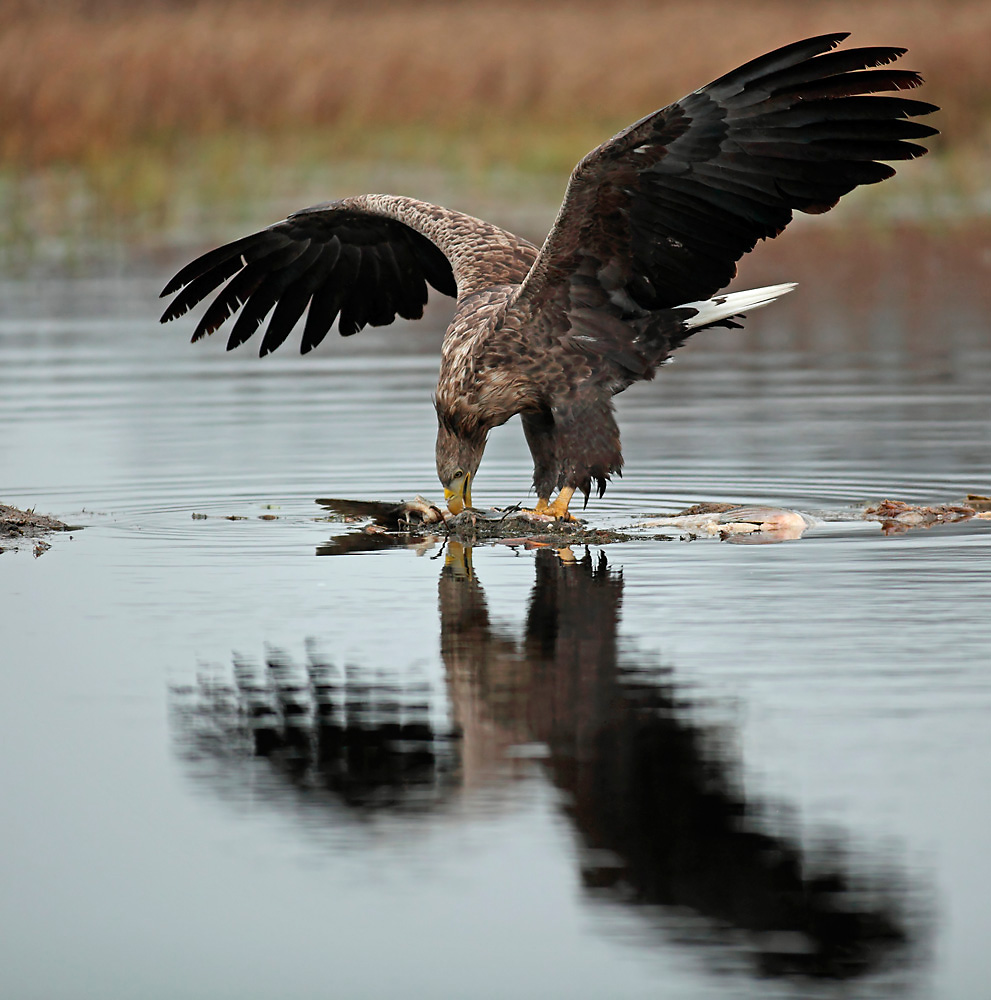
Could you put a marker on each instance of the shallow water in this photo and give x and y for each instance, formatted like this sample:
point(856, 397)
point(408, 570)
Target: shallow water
point(664, 769)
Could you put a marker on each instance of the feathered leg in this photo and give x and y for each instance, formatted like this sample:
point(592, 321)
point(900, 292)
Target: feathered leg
point(539, 431)
point(572, 446)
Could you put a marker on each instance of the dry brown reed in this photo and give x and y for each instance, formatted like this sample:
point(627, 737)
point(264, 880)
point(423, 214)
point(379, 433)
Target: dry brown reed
point(82, 79)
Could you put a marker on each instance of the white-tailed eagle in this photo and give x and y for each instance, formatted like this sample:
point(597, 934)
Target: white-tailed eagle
point(651, 228)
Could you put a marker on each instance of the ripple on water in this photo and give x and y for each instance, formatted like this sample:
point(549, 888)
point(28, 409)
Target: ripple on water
point(843, 676)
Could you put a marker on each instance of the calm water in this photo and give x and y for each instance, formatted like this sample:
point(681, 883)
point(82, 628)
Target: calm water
point(236, 768)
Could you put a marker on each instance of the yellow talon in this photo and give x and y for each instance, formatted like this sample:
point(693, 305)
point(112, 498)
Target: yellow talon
point(558, 509)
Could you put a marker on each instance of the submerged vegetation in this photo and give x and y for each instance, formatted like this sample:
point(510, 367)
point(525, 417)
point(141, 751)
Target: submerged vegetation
point(126, 119)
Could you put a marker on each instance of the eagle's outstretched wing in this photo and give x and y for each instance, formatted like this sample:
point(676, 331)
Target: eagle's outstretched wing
point(659, 215)
point(360, 261)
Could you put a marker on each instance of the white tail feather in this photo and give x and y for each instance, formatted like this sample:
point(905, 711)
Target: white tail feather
point(733, 304)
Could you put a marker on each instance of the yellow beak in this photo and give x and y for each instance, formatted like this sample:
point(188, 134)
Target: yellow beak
point(460, 498)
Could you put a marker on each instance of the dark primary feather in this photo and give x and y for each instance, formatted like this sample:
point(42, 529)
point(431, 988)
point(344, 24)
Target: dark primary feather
point(356, 268)
point(666, 208)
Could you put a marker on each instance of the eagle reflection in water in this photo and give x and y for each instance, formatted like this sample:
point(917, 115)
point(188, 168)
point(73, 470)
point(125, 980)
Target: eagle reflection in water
point(654, 794)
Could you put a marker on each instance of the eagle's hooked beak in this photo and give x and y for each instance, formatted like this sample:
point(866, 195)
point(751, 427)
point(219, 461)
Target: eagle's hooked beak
point(457, 493)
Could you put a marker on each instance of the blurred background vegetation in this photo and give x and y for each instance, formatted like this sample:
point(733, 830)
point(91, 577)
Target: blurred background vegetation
point(165, 121)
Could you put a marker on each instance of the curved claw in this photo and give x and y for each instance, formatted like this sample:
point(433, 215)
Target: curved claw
point(546, 514)
point(557, 511)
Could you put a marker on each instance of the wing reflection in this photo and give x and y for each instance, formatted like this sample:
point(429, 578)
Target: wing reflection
point(653, 793)
point(369, 741)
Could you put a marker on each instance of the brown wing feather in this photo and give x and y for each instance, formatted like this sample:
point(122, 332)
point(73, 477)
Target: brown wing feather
point(360, 261)
point(659, 215)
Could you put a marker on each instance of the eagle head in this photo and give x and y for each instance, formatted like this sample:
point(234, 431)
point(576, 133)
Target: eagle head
point(459, 452)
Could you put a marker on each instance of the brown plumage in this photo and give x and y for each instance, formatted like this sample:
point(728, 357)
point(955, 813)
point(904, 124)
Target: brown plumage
point(652, 225)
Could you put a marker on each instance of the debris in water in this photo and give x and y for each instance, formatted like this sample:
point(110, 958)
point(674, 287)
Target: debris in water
point(895, 515)
point(17, 525)
point(419, 520)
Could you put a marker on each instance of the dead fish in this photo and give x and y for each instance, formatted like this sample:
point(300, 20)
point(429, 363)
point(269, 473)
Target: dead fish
point(772, 523)
point(392, 516)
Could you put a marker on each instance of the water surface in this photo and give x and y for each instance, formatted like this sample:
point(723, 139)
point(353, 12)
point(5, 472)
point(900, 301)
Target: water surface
point(665, 768)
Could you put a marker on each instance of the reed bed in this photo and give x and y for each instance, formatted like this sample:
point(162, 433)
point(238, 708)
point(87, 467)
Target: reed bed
point(140, 102)
point(80, 79)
